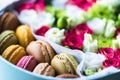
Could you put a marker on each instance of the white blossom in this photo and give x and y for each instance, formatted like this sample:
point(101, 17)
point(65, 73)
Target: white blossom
point(109, 2)
point(93, 61)
point(75, 15)
point(36, 20)
point(55, 35)
point(89, 44)
point(110, 29)
point(97, 25)
point(60, 4)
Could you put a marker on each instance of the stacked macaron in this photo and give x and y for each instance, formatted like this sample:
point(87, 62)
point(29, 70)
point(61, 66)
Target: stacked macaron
point(18, 46)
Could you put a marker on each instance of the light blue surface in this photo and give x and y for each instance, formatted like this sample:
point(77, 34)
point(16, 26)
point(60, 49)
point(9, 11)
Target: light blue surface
point(9, 71)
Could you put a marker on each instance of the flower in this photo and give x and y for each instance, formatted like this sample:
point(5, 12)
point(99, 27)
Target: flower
point(60, 4)
point(74, 37)
point(79, 16)
point(111, 62)
point(83, 28)
point(37, 6)
point(93, 61)
point(56, 35)
point(117, 54)
point(107, 52)
point(110, 29)
point(89, 44)
point(34, 19)
point(73, 41)
point(42, 30)
point(84, 4)
point(97, 25)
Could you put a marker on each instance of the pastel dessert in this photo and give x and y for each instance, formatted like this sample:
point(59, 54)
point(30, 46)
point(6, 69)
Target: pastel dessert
point(7, 38)
point(14, 53)
point(24, 35)
point(8, 21)
point(41, 50)
point(64, 63)
point(27, 63)
point(44, 69)
point(67, 76)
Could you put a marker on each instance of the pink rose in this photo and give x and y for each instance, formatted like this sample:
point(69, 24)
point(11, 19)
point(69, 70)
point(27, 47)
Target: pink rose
point(74, 37)
point(42, 30)
point(117, 32)
point(37, 6)
point(83, 28)
point(73, 41)
point(111, 62)
point(117, 54)
point(84, 4)
point(107, 52)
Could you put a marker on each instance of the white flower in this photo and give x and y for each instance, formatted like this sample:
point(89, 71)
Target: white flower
point(56, 35)
point(89, 44)
point(108, 2)
point(110, 29)
point(43, 18)
point(35, 20)
point(97, 25)
point(75, 15)
point(60, 4)
point(93, 61)
point(27, 16)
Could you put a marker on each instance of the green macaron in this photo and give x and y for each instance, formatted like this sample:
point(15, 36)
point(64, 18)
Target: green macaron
point(7, 38)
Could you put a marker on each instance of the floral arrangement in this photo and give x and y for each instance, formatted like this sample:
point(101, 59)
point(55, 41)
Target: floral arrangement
point(91, 26)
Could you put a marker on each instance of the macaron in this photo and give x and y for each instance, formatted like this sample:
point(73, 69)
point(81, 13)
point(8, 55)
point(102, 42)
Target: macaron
point(8, 21)
point(67, 76)
point(7, 38)
point(24, 35)
point(41, 50)
point(27, 63)
point(64, 63)
point(14, 53)
point(44, 69)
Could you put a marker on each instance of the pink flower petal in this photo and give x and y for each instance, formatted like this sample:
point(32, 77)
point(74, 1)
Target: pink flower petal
point(107, 52)
point(84, 4)
point(42, 30)
point(37, 6)
point(111, 62)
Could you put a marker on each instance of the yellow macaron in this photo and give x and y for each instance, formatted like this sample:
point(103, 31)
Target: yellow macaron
point(14, 53)
point(24, 35)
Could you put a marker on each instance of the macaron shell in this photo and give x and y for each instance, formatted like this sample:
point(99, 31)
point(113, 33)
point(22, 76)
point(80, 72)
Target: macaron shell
point(62, 64)
point(72, 60)
point(58, 65)
point(41, 50)
point(34, 49)
point(7, 38)
point(44, 69)
point(14, 53)
point(24, 35)
point(49, 49)
point(8, 21)
point(27, 62)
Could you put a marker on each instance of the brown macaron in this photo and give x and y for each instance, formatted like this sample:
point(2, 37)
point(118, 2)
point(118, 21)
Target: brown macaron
point(44, 69)
point(8, 21)
point(41, 50)
point(67, 76)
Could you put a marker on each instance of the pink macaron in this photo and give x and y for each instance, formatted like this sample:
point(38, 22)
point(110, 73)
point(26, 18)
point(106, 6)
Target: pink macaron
point(27, 63)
